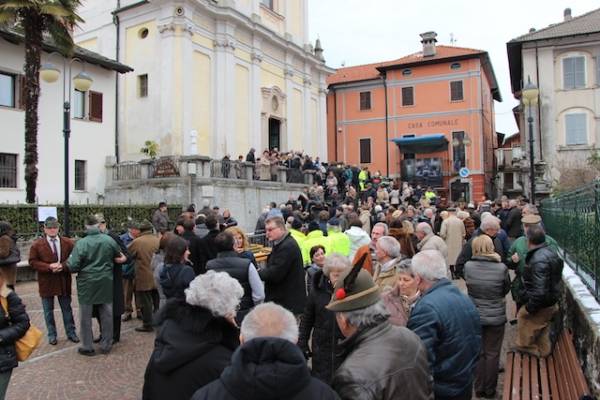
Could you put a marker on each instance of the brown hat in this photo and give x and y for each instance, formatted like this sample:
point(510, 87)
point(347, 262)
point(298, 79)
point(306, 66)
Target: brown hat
point(145, 225)
point(531, 219)
point(354, 290)
point(51, 222)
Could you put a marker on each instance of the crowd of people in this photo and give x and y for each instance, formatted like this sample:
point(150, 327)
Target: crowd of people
point(357, 299)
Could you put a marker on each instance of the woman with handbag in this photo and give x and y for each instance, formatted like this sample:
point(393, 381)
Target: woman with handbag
point(14, 324)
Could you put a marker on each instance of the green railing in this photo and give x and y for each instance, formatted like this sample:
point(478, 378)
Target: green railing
point(24, 217)
point(573, 219)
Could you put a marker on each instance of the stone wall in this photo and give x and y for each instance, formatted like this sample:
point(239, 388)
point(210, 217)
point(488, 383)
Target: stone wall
point(245, 198)
point(581, 314)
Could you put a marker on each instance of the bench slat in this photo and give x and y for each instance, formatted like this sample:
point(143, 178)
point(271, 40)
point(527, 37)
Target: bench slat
point(516, 378)
point(566, 369)
point(526, 377)
point(508, 369)
point(581, 386)
point(535, 390)
point(544, 380)
point(556, 393)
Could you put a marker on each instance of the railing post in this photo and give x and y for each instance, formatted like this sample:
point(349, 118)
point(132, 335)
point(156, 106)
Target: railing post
point(282, 174)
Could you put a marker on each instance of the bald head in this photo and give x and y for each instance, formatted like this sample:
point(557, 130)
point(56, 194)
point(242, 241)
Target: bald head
point(269, 320)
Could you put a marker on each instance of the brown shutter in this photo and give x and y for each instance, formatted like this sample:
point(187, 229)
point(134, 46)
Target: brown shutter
point(95, 110)
point(22, 91)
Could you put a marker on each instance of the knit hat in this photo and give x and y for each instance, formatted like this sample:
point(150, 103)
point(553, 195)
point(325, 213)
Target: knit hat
point(145, 225)
point(355, 290)
point(531, 219)
point(51, 223)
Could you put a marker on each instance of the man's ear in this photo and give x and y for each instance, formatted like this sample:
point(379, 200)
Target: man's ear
point(241, 339)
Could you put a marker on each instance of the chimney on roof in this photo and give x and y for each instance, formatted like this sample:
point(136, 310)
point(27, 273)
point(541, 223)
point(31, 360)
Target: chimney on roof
point(567, 14)
point(428, 39)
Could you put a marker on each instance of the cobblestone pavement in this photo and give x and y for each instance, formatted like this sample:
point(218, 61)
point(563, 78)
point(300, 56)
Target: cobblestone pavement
point(58, 372)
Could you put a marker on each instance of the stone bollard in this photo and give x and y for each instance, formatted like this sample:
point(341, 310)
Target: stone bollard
point(247, 171)
point(309, 177)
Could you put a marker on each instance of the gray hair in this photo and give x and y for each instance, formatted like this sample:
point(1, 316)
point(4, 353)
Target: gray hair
point(270, 320)
point(429, 265)
point(366, 316)
point(390, 246)
point(405, 267)
point(530, 209)
point(384, 226)
point(216, 291)
point(490, 222)
point(512, 203)
point(336, 261)
point(425, 228)
point(462, 215)
point(428, 212)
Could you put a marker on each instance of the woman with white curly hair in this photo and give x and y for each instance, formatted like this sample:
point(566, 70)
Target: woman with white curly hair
point(195, 339)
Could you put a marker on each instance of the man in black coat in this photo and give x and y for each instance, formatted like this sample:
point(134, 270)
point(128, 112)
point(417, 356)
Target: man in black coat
point(194, 244)
point(207, 247)
point(284, 274)
point(512, 224)
point(269, 364)
point(490, 226)
point(541, 280)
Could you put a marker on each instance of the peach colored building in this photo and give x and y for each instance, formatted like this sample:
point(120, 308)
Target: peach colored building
point(420, 118)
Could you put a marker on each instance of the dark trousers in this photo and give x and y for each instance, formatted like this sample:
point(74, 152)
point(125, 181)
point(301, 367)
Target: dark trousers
point(67, 315)
point(466, 395)
point(146, 302)
point(128, 289)
point(486, 372)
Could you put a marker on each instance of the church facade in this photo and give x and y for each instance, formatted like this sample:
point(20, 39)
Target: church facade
point(212, 77)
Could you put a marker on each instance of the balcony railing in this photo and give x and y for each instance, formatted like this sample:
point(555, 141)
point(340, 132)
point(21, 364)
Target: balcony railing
point(509, 158)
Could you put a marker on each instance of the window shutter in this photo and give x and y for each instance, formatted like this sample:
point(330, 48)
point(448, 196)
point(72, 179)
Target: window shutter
point(576, 129)
point(579, 72)
point(95, 110)
point(22, 91)
point(456, 91)
point(365, 151)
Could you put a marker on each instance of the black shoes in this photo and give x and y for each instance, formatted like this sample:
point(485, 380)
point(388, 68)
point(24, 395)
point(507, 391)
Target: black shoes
point(52, 341)
point(74, 339)
point(84, 352)
point(144, 329)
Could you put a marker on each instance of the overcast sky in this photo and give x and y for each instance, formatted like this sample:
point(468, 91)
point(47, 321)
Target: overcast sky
point(360, 32)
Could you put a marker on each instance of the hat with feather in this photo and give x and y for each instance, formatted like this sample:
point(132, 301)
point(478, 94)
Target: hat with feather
point(355, 290)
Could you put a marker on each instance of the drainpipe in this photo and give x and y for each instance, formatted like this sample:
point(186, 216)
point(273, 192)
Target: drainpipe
point(387, 133)
point(335, 128)
point(117, 47)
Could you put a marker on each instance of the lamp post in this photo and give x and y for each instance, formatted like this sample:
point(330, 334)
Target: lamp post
point(82, 82)
point(529, 96)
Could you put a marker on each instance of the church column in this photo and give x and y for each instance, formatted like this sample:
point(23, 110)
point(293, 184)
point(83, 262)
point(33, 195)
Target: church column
point(256, 100)
point(224, 44)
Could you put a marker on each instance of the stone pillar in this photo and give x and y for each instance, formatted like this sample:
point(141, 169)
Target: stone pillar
point(247, 171)
point(282, 174)
point(309, 177)
point(224, 64)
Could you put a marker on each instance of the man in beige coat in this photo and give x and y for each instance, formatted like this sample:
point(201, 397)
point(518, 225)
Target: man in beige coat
point(429, 241)
point(141, 250)
point(453, 232)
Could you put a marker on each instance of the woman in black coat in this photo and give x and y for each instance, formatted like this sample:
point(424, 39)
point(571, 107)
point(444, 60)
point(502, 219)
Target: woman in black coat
point(196, 338)
point(321, 322)
point(14, 323)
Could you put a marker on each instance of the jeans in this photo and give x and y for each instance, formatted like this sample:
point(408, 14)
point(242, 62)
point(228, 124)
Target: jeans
point(4, 380)
point(67, 315)
point(106, 327)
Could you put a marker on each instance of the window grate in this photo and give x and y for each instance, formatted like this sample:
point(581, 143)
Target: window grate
point(8, 170)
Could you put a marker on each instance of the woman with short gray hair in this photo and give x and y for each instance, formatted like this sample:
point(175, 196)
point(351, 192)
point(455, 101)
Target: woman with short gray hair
point(195, 333)
point(321, 322)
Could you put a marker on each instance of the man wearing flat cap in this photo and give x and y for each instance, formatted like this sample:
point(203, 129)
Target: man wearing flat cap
point(518, 252)
point(382, 361)
point(48, 256)
point(93, 259)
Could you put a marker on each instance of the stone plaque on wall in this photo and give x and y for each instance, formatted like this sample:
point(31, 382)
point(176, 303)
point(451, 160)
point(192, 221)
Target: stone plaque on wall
point(165, 168)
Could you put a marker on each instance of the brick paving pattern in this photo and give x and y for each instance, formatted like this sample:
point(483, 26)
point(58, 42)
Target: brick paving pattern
point(59, 373)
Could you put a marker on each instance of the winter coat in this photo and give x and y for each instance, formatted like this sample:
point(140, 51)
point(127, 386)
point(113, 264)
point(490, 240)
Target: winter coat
point(92, 259)
point(118, 303)
point(467, 251)
point(340, 243)
point(487, 284)
point(142, 249)
point(174, 279)
point(520, 248)
point(284, 276)
point(207, 251)
point(365, 218)
point(542, 278)
point(398, 305)
point(195, 248)
point(388, 278)
point(433, 242)
point(160, 221)
point(513, 225)
point(9, 257)
point(11, 329)
point(453, 232)
point(383, 362)
point(358, 238)
point(325, 332)
point(448, 324)
point(266, 369)
point(41, 256)
point(191, 349)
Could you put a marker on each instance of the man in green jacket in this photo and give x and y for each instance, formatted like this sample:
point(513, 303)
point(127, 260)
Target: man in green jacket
point(92, 259)
point(517, 253)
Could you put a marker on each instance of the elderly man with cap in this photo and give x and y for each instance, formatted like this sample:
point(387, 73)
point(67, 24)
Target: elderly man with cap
point(93, 259)
point(518, 252)
point(141, 251)
point(48, 256)
point(448, 324)
point(382, 361)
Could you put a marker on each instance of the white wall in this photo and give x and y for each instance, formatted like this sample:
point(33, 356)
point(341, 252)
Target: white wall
point(90, 141)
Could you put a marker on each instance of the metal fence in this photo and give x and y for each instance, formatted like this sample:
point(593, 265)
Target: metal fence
point(573, 219)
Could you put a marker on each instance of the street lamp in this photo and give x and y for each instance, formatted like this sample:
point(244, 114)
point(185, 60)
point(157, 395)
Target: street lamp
point(82, 82)
point(529, 96)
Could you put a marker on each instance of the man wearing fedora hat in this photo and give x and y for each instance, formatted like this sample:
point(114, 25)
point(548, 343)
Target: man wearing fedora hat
point(382, 361)
point(48, 256)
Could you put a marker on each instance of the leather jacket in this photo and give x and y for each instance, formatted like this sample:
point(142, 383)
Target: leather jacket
point(542, 278)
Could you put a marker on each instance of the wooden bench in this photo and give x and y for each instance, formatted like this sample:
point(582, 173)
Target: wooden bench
point(556, 377)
